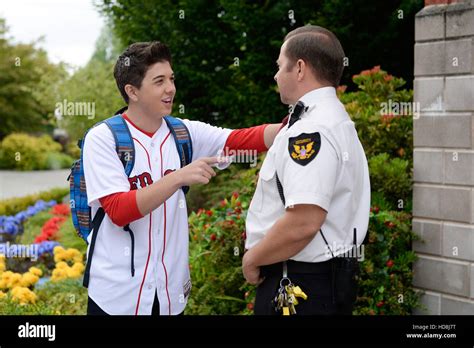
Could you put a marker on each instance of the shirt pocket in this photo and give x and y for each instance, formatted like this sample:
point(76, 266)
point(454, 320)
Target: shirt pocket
point(266, 184)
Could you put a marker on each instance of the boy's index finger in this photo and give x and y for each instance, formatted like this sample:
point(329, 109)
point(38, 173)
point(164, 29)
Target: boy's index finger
point(210, 160)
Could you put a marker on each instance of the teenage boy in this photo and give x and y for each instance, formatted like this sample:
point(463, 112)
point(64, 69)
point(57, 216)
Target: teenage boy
point(146, 271)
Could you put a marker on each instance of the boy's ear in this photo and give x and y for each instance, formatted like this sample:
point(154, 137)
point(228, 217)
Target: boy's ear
point(131, 92)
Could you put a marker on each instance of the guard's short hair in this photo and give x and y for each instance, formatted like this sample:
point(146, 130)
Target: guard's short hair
point(320, 49)
point(133, 63)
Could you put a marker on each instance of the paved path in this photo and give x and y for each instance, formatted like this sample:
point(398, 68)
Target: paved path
point(18, 184)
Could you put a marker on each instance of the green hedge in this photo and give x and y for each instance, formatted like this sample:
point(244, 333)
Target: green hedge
point(25, 152)
point(12, 206)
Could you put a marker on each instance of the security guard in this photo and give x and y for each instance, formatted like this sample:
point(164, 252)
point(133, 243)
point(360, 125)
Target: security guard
point(310, 211)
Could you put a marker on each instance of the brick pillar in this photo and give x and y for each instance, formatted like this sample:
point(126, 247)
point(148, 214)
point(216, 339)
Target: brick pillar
point(443, 191)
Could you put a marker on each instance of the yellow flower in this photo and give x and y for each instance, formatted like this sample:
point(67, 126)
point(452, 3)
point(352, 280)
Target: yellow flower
point(3, 267)
point(79, 267)
point(61, 265)
point(36, 271)
point(73, 273)
point(77, 258)
point(59, 274)
point(6, 276)
point(58, 250)
point(2, 294)
point(15, 280)
point(23, 295)
point(29, 279)
point(3, 284)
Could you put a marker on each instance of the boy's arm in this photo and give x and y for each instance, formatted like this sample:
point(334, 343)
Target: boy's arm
point(209, 140)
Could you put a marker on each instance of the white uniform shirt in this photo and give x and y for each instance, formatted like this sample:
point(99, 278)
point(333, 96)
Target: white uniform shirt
point(161, 237)
point(336, 178)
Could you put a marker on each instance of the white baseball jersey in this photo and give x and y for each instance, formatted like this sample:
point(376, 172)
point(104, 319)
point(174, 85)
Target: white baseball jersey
point(161, 237)
point(320, 161)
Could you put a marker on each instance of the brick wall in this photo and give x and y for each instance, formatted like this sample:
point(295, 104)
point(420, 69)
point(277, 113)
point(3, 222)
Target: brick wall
point(443, 191)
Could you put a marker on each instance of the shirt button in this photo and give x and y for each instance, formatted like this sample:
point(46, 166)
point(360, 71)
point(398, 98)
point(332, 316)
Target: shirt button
point(150, 286)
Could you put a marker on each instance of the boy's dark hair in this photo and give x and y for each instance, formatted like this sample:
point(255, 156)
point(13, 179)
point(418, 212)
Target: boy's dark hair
point(132, 65)
point(320, 49)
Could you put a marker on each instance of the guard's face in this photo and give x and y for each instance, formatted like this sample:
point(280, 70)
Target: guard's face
point(286, 78)
point(157, 91)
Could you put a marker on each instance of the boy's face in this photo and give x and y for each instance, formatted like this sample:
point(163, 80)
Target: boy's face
point(157, 91)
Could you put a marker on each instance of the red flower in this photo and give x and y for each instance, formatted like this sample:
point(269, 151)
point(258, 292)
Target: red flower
point(390, 263)
point(342, 89)
point(389, 224)
point(213, 237)
point(380, 304)
point(238, 203)
point(237, 210)
point(61, 209)
point(223, 203)
point(250, 306)
point(235, 195)
point(209, 213)
point(376, 209)
point(375, 69)
point(388, 78)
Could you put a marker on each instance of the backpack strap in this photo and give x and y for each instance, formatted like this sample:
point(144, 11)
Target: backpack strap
point(99, 216)
point(123, 141)
point(183, 141)
point(126, 153)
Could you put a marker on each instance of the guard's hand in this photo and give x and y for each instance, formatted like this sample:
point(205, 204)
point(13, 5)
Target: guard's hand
point(197, 172)
point(250, 271)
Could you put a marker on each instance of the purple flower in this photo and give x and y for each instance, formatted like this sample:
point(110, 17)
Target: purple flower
point(46, 247)
point(13, 224)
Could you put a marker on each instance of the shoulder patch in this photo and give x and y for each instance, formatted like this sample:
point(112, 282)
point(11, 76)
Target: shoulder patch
point(304, 148)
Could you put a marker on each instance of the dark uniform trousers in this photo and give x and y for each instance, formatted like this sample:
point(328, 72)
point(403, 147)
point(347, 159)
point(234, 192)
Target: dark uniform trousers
point(331, 286)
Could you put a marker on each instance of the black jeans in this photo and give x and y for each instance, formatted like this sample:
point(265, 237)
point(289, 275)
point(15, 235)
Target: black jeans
point(320, 286)
point(94, 309)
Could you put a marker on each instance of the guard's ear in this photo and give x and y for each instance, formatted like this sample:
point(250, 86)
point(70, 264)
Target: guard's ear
point(301, 69)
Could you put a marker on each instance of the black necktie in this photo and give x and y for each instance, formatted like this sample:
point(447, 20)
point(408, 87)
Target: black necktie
point(296, 114)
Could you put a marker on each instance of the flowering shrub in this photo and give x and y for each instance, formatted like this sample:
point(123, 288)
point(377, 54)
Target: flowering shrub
point(11, 206)
point(25, 152)
point(217, 243)
point(63, 270)
point(50, 228)
point(385, 280)
point(18, 285)
point(13, 224)
point(383, 114)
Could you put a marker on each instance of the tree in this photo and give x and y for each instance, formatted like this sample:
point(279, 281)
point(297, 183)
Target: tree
point(27, 83)
point(94, 86)
point(224, 50)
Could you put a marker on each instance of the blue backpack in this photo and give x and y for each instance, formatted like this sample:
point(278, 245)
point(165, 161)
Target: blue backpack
point(80, 209)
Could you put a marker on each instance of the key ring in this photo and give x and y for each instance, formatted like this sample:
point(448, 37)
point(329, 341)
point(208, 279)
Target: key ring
point(282, 279)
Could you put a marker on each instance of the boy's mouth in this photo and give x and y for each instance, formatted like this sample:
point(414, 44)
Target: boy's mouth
point(167, 101)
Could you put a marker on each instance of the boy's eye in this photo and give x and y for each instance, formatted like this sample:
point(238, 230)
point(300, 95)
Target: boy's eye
point(159, 82)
